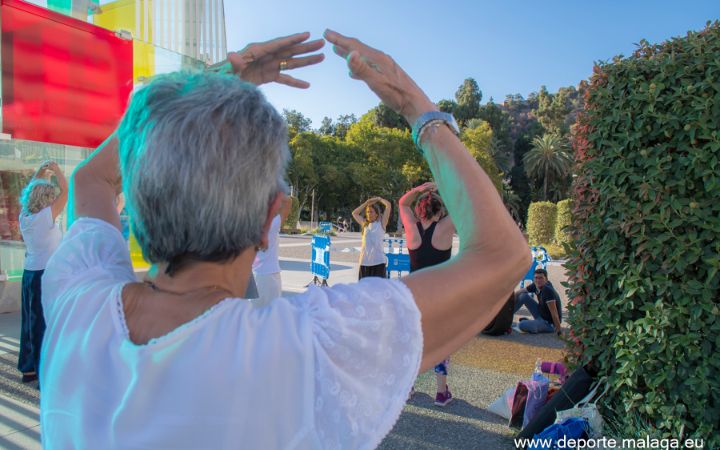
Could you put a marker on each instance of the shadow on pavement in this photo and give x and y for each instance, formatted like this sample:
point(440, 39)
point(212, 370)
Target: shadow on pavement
point(457, 407)
point(420, 431)
point(10, 384)
point(546, 340)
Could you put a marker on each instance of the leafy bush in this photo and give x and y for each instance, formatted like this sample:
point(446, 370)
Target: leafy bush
point(644, 277)
point(555, 251)
point(294, 216)
point(564, 219)
point(541, 223)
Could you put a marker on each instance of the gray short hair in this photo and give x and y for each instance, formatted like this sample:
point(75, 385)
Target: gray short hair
point(38, 195)
point(201, 157)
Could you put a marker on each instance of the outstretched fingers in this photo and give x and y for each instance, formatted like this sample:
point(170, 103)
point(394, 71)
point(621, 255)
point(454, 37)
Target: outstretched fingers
point(292, 81)
point(303, 61)
point(361, 69)
point(260, 50)
point(343, 45)
point(301, 49)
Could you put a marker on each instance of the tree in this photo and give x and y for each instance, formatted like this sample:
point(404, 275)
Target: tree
point(468, 97)
point(326, 127)
point(384, 116)
point(548, 160)
point(296, 122)
point(512, 201)
point(343, 123)
point(502, 148)
point(502, 157)
point(478, 141)
point(554, 109)
point(477, 136)
point(387, 163)
point(304, 148)
point(447, 106)
point(520, 185)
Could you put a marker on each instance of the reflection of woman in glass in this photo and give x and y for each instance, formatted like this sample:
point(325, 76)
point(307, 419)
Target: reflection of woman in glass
point(373, 261)
point(41, 204)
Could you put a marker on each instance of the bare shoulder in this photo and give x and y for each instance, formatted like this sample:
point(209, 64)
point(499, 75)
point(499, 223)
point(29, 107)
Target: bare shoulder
point(445, 228)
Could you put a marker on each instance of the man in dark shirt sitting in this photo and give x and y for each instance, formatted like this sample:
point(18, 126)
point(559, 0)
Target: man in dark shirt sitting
point(547, 313)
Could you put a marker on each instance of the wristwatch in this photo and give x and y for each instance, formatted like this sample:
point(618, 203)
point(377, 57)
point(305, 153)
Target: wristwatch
point(431, 117)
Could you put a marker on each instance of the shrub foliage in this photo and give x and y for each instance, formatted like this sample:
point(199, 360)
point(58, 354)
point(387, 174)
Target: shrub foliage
point(643, 276)
point(292, 218)
point(563, 220)
point(541, 223)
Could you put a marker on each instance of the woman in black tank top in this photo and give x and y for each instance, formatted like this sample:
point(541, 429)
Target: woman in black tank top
point(427, 214)
point(426, 255)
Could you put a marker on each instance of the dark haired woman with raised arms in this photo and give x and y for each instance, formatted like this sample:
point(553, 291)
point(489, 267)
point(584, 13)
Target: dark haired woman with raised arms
point(429, 232)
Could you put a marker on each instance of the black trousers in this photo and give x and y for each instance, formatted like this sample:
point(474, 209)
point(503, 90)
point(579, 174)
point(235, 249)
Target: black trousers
point(32, 325)
point(378, 270)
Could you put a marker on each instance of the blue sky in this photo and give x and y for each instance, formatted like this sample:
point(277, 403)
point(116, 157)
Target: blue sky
point(507, 46)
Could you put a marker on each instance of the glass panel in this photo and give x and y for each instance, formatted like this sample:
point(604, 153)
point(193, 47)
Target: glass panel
point(64, 87)
point(18, 161)
point(63, 81)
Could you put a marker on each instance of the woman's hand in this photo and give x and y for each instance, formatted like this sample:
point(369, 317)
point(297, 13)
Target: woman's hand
point(53, 167)
point(263, 62)
point(382, 74)
point(427, 187)
point(45, 169)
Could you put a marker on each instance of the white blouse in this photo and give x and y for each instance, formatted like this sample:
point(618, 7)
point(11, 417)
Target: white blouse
point(372, 251)
point(267, 261)
point(41, 235)
point(330, 368)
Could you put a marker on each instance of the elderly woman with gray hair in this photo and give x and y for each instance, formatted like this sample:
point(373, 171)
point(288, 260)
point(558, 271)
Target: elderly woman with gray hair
point(180, 360)
point(42, 201)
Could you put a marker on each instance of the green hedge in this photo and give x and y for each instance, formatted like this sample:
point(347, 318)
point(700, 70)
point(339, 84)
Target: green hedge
point(644, 279)
point(292, 219)
point(541, 223)
point(563, 220)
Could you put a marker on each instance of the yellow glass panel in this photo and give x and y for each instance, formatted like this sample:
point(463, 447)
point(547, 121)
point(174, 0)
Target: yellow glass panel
point(136, 255)
point(121, 15)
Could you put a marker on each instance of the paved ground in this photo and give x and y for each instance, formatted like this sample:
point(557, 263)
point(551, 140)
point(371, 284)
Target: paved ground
point(479, 372)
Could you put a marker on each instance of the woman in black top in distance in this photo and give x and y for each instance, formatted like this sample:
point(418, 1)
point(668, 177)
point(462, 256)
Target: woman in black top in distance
point(429, 232)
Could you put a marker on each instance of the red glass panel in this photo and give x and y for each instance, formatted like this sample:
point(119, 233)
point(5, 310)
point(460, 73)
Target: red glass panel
point(63, 80)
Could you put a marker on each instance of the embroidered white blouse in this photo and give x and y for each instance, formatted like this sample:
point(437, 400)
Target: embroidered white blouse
point(330, 368)
point(372, 253)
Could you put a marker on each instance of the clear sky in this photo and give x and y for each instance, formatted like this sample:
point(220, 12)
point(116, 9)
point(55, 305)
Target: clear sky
point(506, 46)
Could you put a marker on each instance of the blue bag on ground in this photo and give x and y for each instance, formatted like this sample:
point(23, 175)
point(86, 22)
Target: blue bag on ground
point(572, 428)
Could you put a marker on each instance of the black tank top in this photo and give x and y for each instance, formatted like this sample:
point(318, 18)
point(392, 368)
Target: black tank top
point(426, 255)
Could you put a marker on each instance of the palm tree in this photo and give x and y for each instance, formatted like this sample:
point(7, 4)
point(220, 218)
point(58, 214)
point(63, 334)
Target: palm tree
point(549, 159)
point(503, 158)
point(511, 200)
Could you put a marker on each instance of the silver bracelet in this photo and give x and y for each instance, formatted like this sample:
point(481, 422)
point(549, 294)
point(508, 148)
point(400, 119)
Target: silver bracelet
point(435, 124)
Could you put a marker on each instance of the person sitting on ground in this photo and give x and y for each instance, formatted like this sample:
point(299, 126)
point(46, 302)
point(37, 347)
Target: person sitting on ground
point(181, 360)
point(547, 312)
point(373, 262)
point(429, 233)
point(41, 204)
